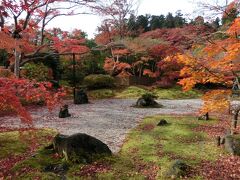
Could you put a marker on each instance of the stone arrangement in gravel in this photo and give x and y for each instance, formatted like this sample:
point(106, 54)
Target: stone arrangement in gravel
point(108, 120)
point(147, 101)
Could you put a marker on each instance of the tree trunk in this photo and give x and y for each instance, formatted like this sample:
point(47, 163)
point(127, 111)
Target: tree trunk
point(17, 63)
point(234, 123)
point(207, 116)
point(235, 120)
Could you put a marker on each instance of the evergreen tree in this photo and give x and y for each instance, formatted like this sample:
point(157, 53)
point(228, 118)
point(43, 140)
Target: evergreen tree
point(131, 23)
point(179, 21)
point(170, 21)
point(216, 23)
point(162, 21)
point(154, 22)
point(143, 22)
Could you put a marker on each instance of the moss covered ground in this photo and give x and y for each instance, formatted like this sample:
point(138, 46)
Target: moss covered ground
point(136, 92)
point(147, 152)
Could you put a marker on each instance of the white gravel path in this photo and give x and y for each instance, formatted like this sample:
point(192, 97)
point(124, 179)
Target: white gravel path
point(108, 120)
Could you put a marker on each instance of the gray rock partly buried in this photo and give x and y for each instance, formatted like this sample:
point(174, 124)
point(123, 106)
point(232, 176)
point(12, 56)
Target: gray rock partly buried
point(60, 169)
point(204, 117)
point(232, 144)
point(80, 147)
point(178, 169)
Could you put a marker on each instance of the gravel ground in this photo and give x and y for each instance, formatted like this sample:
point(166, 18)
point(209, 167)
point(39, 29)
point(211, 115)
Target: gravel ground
point(108, 120)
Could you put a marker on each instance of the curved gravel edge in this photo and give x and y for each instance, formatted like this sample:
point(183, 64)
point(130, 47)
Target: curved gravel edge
point(109, 120)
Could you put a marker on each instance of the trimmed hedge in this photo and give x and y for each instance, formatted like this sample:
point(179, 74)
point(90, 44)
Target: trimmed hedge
point(98, 81)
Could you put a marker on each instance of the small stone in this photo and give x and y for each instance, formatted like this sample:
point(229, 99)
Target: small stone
point(64, 112)
point(204, 117)
point(162, 122)
point(56, 168)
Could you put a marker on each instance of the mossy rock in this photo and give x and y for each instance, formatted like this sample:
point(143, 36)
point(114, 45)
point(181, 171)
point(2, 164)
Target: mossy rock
point(80, 148)
point(147, 100)
point(162, 122)
point(177, 169)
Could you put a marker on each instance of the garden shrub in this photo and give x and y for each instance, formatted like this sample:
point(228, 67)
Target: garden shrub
point(39, 72)
point(6, 73)
point(67, 72)
point(149, 97)
point(101, 93)
point(131, 92)
point(98, 81)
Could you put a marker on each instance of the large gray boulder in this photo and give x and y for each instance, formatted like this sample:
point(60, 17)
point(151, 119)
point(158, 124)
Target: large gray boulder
point(80, 147)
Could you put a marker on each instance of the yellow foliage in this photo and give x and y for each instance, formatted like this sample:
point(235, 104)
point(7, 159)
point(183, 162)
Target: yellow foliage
point(216, 101)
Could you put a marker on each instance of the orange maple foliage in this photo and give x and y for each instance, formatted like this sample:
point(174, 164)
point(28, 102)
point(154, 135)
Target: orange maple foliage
point(218, 63)
point(231, 11)
point(6, 41)
point(114, 67)
point(148, 72)
point(120, 52)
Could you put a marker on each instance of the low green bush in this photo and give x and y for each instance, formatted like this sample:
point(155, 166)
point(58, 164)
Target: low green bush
point(39, 72)
point(101, 93)
point(98, 81)
point(161, 93)
point(131, 92)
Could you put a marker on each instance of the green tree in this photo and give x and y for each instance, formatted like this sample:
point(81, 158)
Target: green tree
point(216, 23)
point(162, 21)
point(170, 21)
point(143, 22)
point(132, 26)
point(132, 22)
point(179, 21)
point(155, 22)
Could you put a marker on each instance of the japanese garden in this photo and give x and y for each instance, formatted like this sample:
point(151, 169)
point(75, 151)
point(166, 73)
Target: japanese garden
point(147, 96)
